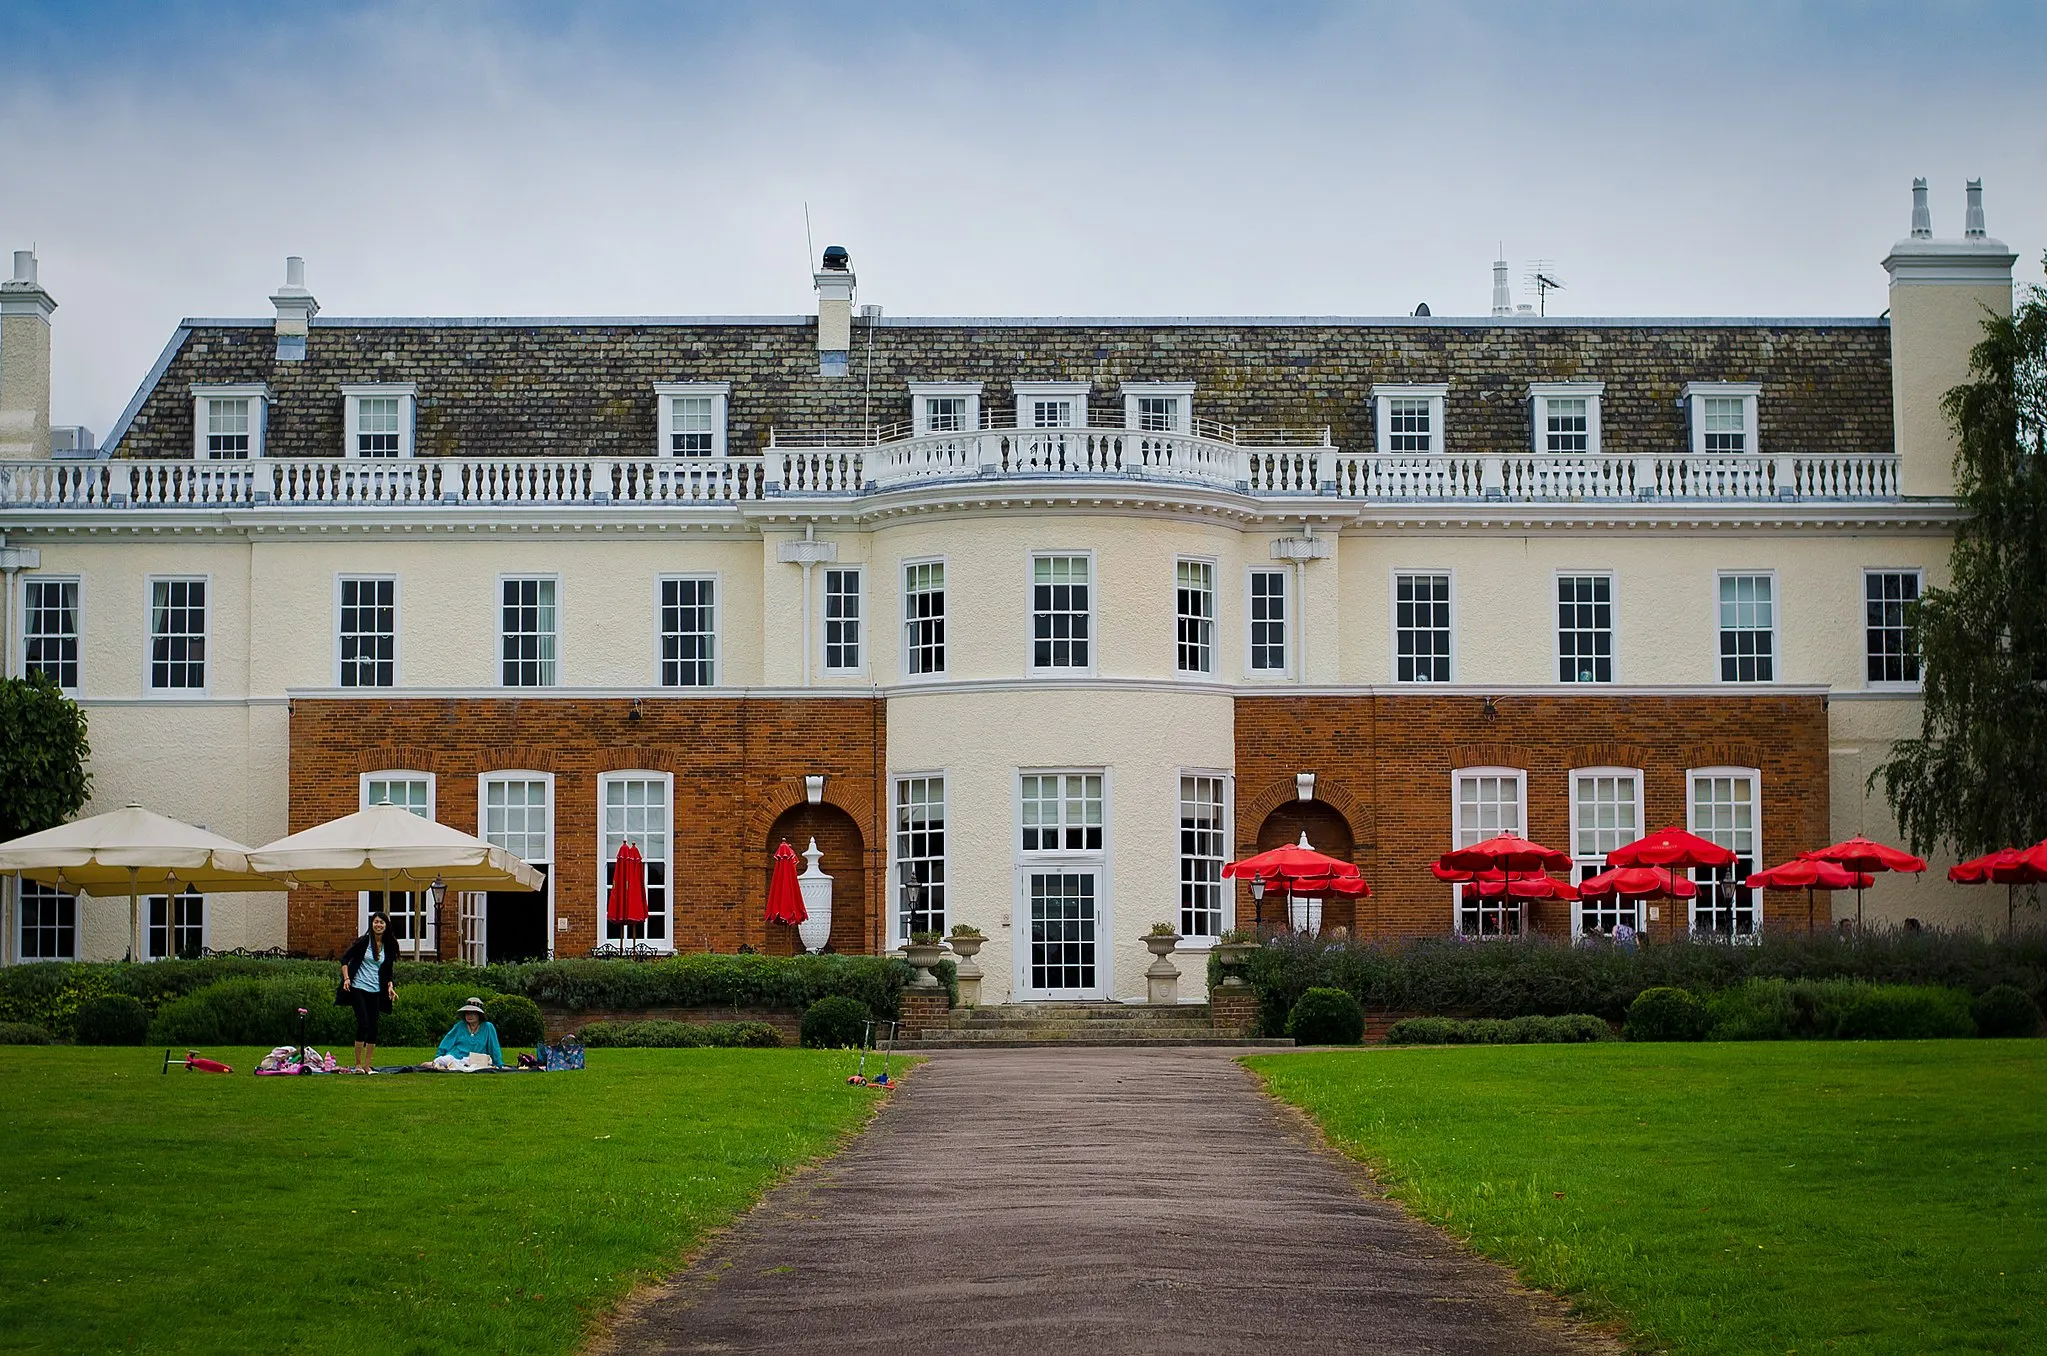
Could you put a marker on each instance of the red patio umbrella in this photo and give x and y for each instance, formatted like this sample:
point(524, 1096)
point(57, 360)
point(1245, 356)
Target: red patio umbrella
point(1491, 884)
point(1867, 856)
point(627, 901)
point(1506, 853)
point(1807, 874)
point(785, 897)
point(1298, 869)
point(1670, 848)
point(2009, 867)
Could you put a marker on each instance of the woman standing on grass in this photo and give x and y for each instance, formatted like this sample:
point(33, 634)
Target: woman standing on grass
point(369, 969)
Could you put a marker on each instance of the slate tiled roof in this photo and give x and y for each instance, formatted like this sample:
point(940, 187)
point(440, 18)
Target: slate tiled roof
point(512, 388)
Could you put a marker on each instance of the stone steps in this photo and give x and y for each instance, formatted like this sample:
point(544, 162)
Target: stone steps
point(1011, 1025)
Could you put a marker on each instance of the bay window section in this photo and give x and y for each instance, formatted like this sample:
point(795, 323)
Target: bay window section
point(1202, 851)
point(49, 629)
point(1489, 801)
point(920, 875)
point(1194, 617)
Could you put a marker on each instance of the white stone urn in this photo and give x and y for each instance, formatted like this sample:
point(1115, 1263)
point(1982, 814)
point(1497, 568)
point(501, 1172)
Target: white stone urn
point(924, 955)
point(966, 946)
point(816, 886)
point(1161, 977)
point(1232, 956)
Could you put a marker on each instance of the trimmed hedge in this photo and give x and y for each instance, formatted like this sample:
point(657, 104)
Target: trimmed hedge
point(247, 1011)
point(1667, 1014)
point(114, 1019)
point(24, 1033)
point(1326, 1017)
point(1838, 1009)
point(1574, 1029)
point(516, 1017)
point(2005, 1011)
point(655, 1034)
point(836, 1023)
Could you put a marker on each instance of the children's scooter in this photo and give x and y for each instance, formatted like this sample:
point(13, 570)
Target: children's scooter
point(194, 1062)
point(869, 1033)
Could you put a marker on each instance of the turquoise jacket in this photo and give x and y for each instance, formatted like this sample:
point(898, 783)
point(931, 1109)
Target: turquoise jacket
point(459, 1041)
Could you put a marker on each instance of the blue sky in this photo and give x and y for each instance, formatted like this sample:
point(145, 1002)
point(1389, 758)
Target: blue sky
point(1010, 159)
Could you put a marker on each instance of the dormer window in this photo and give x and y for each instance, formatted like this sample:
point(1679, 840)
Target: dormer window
point(1158, 406)
point(1051, 404)
point(1723, 417)
point(377, 421)
point(945, 407)
point(1410, 418)
point(692, 417)
point(1565, 417)
point(228, 422)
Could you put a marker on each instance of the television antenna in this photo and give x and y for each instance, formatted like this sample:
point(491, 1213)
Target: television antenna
point(1542, 276)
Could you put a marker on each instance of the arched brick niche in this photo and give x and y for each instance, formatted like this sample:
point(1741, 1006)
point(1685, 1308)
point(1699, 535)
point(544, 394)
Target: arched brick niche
point(844, 860)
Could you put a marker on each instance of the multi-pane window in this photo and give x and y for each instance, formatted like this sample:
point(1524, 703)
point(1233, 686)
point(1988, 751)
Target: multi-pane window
point(1891, 625)
point(1201, 856)
point(1051, 414)
point(516, 817)
point(945, 414)
point(527, 634)
point(368, 632)
point(1723, 811)
point(378, 426)
point(924, 616)
point(1062, 812)
point(1409, 427)
point(49, 630)
point(1726, 424)
point(177, 925)
point(1605, 814)
point(406, 909)
point(689, 633)
point(1748, 628)
point(634, 808)
point(691, 432)
point(1421, 628)
point(1268, 621)
point(177, 634)
point(1065, 918)
point(842, 621)
point(1158, 414)
point(1585, 628)
point(1488, 804)
point(49, 922)
point(1567, 424)
point(920, 855)
point(1061, 609)
point(227, 428)
point(1194, 622)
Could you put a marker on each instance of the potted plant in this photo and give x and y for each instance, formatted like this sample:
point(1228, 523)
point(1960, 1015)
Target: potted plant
point(1232, 949)
point(966, 941)
point(923, 953)
point(1162, 938)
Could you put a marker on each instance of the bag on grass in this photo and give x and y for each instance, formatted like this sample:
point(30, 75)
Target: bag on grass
point(566, 1054)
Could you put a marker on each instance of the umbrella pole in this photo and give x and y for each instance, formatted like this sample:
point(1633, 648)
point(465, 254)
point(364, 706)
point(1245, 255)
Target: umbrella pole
point(134, 919)
point(1808, 911)
point(2011, 911)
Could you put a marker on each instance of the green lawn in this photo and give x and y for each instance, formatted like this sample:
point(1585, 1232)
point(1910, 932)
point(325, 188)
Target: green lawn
point(1764, 1197)
point(421, 1213)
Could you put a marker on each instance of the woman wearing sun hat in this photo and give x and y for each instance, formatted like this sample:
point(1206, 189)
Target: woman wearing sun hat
point(471, 1043)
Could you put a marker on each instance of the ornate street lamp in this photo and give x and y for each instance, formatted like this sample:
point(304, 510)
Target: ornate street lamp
point(437, 895)
point(1258, 903)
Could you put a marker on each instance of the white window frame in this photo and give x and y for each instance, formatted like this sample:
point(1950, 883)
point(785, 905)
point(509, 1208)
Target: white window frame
point(203, 396)
point(149, 687)
point(1393, 622)
point(1227, 909)
point(1208, 641)
point(1776, 630)
point(1748, 392)
point(427, 937)
point(716, 580)
point(480, 943)
point(719, 393)
point(1094, 629)
point(1285, 670)
point(352, 396)
point(1062, 861)
point(148, 904)
point(898, 783)
point(77, 635)
point(1756, 858)
point(1457, 777)
point(920, 417)
point(397, 589)
point(1060, 852)
point(498, 609)
point(1435, 392)
point(1589, 864)
point(1541, 393)
point(21, 930)
point(1183, 413)
point(1885, 684)
point(604, 858)
point(1613, 626)
point(859, 619)
point(1028, 393)
point(944, 591)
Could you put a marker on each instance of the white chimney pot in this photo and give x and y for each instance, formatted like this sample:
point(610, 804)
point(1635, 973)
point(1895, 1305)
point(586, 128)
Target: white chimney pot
point(24, 266)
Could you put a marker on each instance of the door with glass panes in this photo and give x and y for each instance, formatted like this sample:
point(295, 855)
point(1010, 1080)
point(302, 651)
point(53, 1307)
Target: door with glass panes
point(1061, 878)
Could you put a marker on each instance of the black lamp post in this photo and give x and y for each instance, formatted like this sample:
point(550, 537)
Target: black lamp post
point(913, 897)
point(1258, 904)
point(437, 895)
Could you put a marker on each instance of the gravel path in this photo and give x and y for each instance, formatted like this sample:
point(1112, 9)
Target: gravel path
point(1092, 1200)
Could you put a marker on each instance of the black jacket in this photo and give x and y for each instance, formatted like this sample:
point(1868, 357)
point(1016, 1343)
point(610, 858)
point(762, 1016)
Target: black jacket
point(387, 970)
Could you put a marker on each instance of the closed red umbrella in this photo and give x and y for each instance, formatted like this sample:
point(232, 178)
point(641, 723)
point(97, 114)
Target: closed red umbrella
point(1867, 856)
point(627, 901)
point(1808, 874)
point(2009, 867)
point(1636, 882)
point(785, 897)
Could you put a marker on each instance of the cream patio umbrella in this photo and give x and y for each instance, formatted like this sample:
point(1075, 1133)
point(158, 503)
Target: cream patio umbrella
point(386, 844)
point(127, 850)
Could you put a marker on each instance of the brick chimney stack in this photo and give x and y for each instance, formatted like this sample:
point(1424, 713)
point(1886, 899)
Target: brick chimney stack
point(24, 363)
point(296, 308)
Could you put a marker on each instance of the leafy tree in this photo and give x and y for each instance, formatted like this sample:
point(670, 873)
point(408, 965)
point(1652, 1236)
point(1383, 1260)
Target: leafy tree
point(43, 779)
point(1976, 778)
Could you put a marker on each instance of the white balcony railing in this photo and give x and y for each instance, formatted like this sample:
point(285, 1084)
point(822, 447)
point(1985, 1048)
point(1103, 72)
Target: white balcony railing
point(1272, 466)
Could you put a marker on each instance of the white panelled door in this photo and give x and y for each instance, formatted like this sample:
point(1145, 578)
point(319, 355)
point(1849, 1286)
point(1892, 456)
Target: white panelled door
point(1062, 907)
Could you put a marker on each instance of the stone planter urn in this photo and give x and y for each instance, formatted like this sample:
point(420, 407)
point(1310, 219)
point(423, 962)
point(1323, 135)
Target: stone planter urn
point(816, 886)
point(966, 947)
point(1161, 977)
point(1231, 956)
point(924, 955)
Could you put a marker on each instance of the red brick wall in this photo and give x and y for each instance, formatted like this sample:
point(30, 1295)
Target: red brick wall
point(738, 764)
point(1383, 763)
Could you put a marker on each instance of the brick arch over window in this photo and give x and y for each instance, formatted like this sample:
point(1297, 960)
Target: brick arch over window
point(1327, 830)
point(780, 796)
point(1329, 790)
point(844, 859)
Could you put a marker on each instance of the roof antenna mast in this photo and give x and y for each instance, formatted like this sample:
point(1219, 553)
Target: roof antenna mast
point(1542, 276)
point(809, 245)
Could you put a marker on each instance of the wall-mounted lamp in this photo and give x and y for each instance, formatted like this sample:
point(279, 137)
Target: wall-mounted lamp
point(634, 714)
point(1492, 709)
